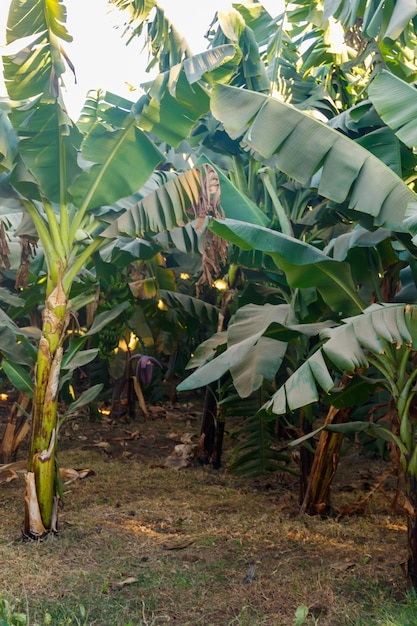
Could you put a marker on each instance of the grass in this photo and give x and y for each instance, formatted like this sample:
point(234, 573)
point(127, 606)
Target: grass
point(140, 545)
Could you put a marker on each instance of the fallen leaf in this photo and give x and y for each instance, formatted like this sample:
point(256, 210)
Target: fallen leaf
point(9, 471)
point(123, 583)
point(104, 445)
point(69, 474)
point(129, 436)
point(187, 438)
point(175, 436)
point(6, 476)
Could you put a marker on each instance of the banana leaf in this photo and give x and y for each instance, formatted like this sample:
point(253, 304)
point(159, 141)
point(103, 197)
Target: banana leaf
point(304, 265)
point(301, 146)
point(346, 348)
point(396, 102)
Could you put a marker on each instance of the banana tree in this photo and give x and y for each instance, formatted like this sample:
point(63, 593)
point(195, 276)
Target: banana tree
point(66, 178)
point(384, 337)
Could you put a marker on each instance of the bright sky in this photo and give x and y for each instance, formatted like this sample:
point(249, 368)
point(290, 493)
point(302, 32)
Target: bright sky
point(101, 57)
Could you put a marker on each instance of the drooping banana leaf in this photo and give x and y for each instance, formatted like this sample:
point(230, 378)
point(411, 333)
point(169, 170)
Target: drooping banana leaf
point(205, 312)
point(251, 72)
point(304, 265)
point(300, 146)
point(168, 46)
point(396, 102)
point(346, 348)
point(172, 107)
point(249, 356)
point(34, 69)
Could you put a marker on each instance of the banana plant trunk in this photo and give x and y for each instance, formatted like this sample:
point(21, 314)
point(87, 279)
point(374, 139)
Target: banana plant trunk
point(326, 460)
point(41, 500)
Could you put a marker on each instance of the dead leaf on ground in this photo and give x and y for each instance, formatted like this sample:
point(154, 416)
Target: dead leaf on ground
point(8, 472)
point(123, 583)
point(174, 436)
point(69, 474)
point(182, 456)
point(103, 445)
point(6, 476)
point(188, 438)
point(130, 436)
point(157, 412)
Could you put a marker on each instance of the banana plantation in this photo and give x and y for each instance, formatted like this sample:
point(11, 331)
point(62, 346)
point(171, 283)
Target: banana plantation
point(244, 233)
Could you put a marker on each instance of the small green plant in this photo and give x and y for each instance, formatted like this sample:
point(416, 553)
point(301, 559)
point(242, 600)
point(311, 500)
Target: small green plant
point(10, 614)
point(303, 616)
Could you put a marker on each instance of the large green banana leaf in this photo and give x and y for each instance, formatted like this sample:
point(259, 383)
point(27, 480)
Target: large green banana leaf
point(176, 100)
point(34, 68)
point(172, 106)
point(250, 356)
point(396, 102)
point(121, 160)
point(304, 265)
point(346, 348)
point(300, 146)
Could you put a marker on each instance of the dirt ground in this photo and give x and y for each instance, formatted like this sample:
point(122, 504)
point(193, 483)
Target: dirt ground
point(151, 537)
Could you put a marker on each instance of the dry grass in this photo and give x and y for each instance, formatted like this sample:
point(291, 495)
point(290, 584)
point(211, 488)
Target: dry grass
point(205, 548)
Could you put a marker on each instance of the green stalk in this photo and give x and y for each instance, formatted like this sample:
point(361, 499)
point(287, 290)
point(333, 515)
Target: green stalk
point(64, 225)
point(54, 229)
point(283, 220)
point(45, 238)
point(79, 261)
point(252, 177)
point(239, 175)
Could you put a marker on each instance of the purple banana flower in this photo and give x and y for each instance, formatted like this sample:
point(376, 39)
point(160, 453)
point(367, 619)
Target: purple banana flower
point(144, 367)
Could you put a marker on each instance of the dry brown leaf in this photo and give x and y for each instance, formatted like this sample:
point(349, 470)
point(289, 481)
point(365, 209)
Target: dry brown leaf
point(129, 436)
point(174, 436)
point(70, 474)
point(123, 583)
point(157, 412)
point(6, 476)
point(9, 471)
point(104, 445)
point(187, 438)
point(141, 399)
